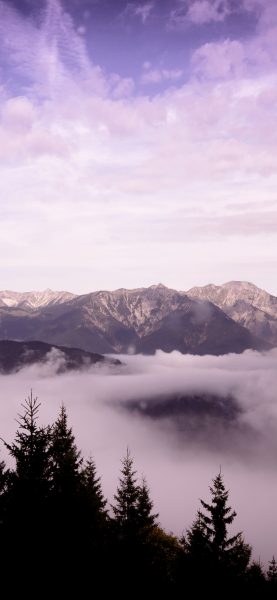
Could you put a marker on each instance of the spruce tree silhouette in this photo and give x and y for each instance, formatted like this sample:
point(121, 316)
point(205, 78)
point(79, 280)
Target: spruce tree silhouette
point(229, 555)
point(126, 497)
point(26, 519)
point(66, 483)
point(146, 518)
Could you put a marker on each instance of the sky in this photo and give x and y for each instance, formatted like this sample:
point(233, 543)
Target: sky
point(137, 143)
point(179, 467)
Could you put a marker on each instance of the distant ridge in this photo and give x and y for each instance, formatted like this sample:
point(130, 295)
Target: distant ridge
point(17, 355)
point(205, 320)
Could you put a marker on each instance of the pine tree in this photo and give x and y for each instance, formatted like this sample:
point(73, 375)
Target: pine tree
point(197, 555)
point(272, 577)
point(126, 509)
point(31, 453)
point(197, 543)
point(5, 481)
point(125, 560)
point(67, 514)
point(26, 504)
point(146, 519)
point(94, 504)
point(229, 556)
point(66, 459)
point(94, 524)
point(93, 490)
point(256, 581)
point(272, 571)
point(218, 518)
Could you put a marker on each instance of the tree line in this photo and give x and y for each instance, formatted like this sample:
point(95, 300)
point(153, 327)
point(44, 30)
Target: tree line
point(58, 531)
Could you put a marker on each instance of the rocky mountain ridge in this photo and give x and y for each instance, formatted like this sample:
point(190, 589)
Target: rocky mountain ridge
point(140, 320)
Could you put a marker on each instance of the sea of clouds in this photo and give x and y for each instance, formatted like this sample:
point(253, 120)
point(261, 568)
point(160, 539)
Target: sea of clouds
point(179, 467)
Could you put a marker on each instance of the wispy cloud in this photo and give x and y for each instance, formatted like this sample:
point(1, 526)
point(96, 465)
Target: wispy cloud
point(139, 11)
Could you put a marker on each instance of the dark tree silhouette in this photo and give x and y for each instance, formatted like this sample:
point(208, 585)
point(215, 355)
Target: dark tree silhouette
point(26, 503)
point(31, 453)
point(126, 497)
point(66, 459)
point(146, 518)
point(217, 518)
point(209, 548)
point(92, 490)
point(256, 581)
point(272, 577)
point(66, 506)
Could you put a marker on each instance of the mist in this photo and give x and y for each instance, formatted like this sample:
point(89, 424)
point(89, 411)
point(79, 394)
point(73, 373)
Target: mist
point(108, 410)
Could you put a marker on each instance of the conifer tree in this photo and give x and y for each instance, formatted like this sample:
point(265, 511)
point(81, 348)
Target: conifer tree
point(31, 453)
point(145, 516)
point(126, 509)
point(229, 556)
point(5, 480)
point(272, 576)
point(66, 459)
point(256, 581)
point(272, 571)
point(218, 517)
point(67, 515)
point(93, 489)
point(94, 504)
point(197, 542)
point(26, 505)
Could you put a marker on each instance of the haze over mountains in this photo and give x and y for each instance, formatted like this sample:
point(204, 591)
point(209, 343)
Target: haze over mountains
point(207, 320)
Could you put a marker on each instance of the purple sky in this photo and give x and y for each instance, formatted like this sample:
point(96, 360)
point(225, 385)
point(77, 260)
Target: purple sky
point(138, 143)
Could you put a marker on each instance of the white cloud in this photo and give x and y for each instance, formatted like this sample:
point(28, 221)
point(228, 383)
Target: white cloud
point(199, 12)
point(207, 11)
point(91, 169)
point(151, 76)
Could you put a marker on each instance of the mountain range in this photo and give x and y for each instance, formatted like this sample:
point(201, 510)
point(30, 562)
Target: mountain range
point(204, 320)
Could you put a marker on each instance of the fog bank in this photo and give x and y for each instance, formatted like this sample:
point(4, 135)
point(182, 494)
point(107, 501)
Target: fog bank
point(179, 466)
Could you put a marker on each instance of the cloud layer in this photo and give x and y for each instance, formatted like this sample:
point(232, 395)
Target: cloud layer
point(179, 468)
point(95, 162)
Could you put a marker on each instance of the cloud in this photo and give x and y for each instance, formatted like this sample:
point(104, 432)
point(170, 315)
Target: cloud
point(207, 11)
point(139, 11)
point(199, 12)
point(219, 60)
point(86, 160)
point(179, 467)
point(153, 76)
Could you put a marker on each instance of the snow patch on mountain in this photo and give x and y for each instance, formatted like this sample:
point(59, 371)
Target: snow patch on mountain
point(34, 300)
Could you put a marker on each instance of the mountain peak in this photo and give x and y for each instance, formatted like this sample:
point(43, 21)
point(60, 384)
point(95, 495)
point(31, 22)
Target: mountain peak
point(158, 286)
